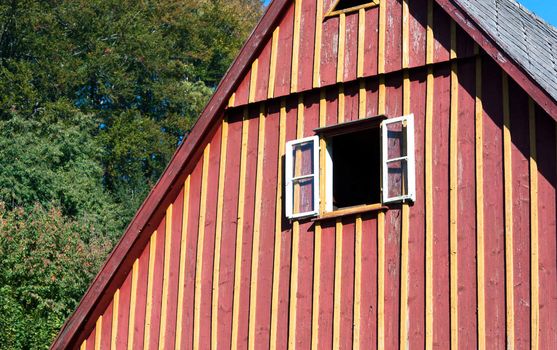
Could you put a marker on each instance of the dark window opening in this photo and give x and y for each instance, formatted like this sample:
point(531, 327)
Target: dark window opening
point(346, 4)
point(356, 159)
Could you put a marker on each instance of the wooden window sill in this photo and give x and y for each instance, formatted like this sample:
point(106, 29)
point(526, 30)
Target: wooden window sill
point(359, 209)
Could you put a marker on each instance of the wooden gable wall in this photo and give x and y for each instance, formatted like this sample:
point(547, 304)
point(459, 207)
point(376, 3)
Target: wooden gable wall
point(471, 264)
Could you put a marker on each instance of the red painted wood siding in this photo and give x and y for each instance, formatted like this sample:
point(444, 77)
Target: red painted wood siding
point(286, 260)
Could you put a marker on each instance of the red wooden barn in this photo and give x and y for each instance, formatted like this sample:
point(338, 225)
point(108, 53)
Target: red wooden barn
point(368, 174)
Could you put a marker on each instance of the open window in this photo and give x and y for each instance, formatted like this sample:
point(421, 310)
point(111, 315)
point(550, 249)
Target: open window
point(345, 6)
point(367, 161)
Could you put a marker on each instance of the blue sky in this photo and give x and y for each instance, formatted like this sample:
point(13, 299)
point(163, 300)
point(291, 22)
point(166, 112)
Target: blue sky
point(546, 9)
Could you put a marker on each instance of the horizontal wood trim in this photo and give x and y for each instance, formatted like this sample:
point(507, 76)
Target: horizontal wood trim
point(351, 126)
point(358, 209)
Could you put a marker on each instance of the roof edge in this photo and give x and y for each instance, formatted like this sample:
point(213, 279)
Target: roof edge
point(69, 332)
point(490, 46)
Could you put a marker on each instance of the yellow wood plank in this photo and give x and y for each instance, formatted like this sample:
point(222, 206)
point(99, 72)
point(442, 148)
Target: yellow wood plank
point(361, 41)
point(534, 243)
point(296, 45)
point(405, 34)
point(404, 319)
point(381, 39)
point(429, 211)
point(293, 285)
point(273, 64)
point(338, 284)
point(453, 40)
point(256, 229)
point(341, 103)
point(114, 325)
point(453, 213)
point(341, 45)
point(133, 301)
point(83, 345)
point(200, 247)
point(253, 81)
point(381, 280)
point(98, 332)
point(232, 100)
point(278, 228)
point(218, 236)
point(182, 268)
point(240, 231)
point(166, 275)
point(508, 176)
point(480, 254)
point(316, 286)
point(150, 287)
point(317, 47)
point(381, 96)
point(357, 284)
point(429, 33)
point(381, 236)
point(361, 100)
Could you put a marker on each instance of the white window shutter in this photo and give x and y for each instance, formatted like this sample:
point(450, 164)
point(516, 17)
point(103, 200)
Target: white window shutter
point(398, 160)
point(302, 177)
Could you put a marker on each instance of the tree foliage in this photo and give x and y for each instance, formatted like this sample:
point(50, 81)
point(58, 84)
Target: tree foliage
point(95, 96)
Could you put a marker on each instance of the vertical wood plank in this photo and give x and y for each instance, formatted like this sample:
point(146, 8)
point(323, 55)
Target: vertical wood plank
point(404, 318)
point(361, 42)
point(150, 287)
point(124, 311)
point(182, 268)
point(240, 230)
point(341, 47)
point(166, 275)
point(429, 209)
point(133, 299)
point(115, 313)
point(508, 179)
point(337, 290)
point(480, 251)
point(534, 233)
point(381, 40)
point(381, 216)
point(454, 205)
point(98, 332)
point(273, 63)
point(317, 47)
point(371, 41)
point(307, 45)
point(200, 246)
point(296, 46)
point(218, 234)
point(284, 54)
point(253, 80)
point(357, 283)
point(405, 35)
point(278, 228)
point(256, 228)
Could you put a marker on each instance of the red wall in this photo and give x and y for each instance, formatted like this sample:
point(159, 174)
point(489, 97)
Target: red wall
point(299, 286)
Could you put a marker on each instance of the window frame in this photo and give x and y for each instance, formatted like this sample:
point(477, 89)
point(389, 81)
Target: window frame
point(410, 159)
point(332, 12)
point(290, 179)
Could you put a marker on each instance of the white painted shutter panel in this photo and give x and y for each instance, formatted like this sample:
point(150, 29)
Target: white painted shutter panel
point(302, 177)
point(398, 160)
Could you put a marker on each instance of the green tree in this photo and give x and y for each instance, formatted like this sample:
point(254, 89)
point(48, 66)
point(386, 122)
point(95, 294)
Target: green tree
point(95, 96)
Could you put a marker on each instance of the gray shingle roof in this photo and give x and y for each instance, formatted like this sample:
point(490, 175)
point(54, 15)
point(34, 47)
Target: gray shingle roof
point(525, 37)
